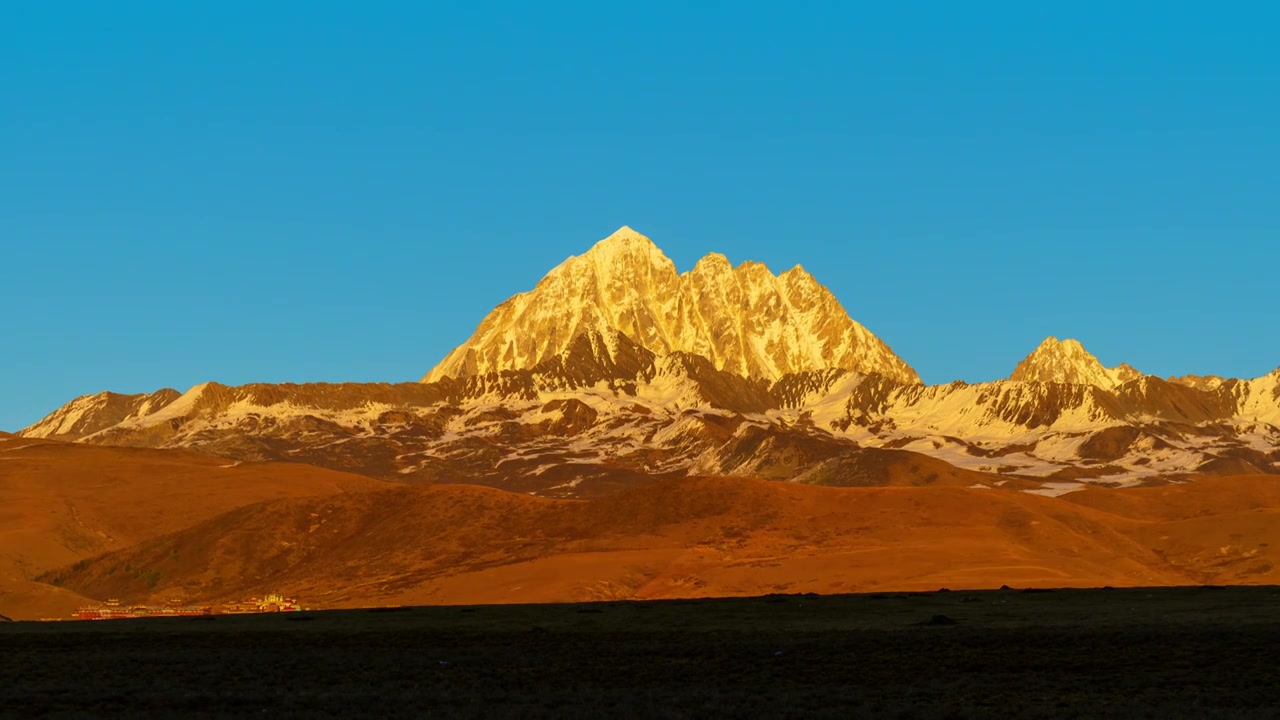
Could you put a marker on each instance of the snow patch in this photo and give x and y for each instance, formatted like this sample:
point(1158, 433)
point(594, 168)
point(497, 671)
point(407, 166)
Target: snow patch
point(1056, 489)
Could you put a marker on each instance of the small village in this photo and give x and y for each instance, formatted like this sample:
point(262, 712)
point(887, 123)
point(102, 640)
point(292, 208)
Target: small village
point(113, 609)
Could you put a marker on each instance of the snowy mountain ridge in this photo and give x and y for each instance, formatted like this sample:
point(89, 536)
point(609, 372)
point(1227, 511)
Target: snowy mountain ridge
point(616, 368)
point(1066, 361)
point(744, 320)
point(605, 410)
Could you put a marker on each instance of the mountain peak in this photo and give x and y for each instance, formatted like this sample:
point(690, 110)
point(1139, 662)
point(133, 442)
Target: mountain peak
point(623, 236)
point(1066, 346)
point(1067, 361)
point(746, 320)
point(1199, 382)
point(88, 414)
point(713, 262)
point(624, 245)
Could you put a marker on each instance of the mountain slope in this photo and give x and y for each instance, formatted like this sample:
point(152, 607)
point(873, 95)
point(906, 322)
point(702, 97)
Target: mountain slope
point(744, 320)
point(1068, 433)
point(62, 502)
point(89, 414)
point(593, 420)
point(1066, 361)
point(691, 537)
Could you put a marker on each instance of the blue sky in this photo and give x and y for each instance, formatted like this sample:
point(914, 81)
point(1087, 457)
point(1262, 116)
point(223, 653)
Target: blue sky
point(309, 191)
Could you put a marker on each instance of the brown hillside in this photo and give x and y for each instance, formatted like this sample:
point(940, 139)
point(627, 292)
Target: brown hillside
point(61, 502)
point(31, 600)
point(669, 538)
point(1205, 496)
point(1215, 530)
point(878, 467)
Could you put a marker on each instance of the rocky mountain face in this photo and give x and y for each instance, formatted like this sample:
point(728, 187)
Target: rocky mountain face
point(89, 414)
point(1200, 382)
point(1066, 361)
point(615, 370)
point(1143, 429)
point(586, 423)
point(744, 320)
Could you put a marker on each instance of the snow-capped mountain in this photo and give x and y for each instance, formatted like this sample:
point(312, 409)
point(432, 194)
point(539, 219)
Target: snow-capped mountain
point(1066, 361)
point(744, 320)
point(615, 368)
point(575, 425)
point(1142, 429)
point(88, 414)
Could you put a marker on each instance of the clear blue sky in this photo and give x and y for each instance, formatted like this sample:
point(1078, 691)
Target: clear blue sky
point(340, 191)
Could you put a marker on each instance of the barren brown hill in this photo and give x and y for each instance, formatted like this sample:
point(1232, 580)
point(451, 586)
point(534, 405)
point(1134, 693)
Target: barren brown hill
point(62, 502)
point(31, 600)
point(671, 538)
point(1217, 530)
point(878, 467)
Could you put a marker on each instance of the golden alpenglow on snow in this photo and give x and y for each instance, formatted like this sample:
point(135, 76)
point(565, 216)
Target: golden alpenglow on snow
point(745, 320)
point(1066, 361)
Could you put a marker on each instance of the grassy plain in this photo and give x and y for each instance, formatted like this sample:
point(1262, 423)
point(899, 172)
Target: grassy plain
point(1176, 652)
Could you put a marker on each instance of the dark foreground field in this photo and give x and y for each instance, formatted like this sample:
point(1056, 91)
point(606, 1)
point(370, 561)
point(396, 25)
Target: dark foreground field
point(1189, 652)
